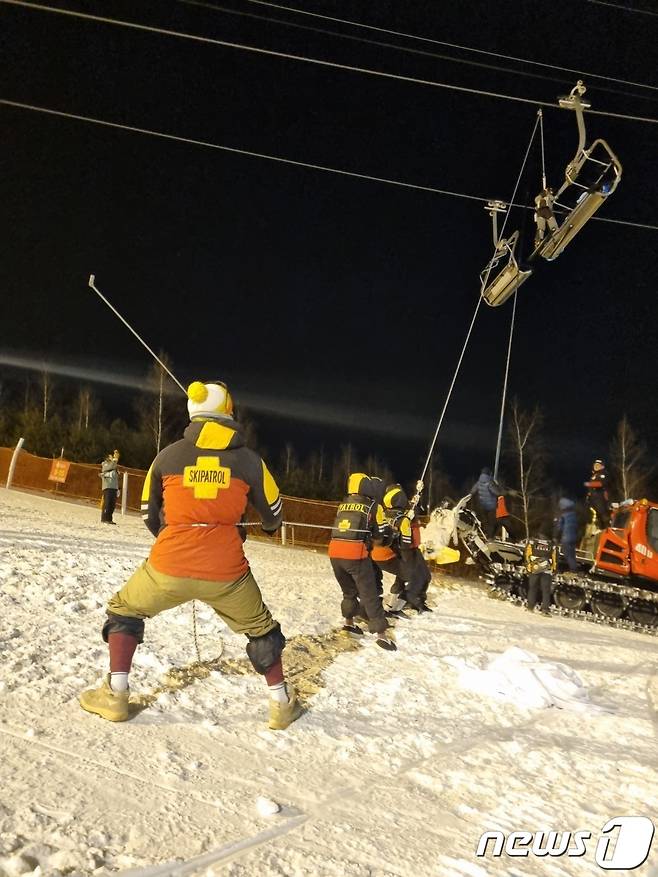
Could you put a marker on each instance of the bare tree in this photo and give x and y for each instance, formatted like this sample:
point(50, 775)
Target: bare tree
point(524, 430)
point(629, 464)
point(155, 414)
point(46, 391)
point(84, 408)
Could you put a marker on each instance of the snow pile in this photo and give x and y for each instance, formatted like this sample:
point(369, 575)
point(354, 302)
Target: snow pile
point(393, 771)
point(526, 680)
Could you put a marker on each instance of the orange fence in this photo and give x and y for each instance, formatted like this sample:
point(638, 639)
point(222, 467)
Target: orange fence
point(309, 520)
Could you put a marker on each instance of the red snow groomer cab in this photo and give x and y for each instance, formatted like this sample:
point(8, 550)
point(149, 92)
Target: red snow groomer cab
point(629, 547)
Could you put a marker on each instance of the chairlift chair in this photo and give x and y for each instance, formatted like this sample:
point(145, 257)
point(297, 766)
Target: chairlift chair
point(593, 193)
point(507, 281)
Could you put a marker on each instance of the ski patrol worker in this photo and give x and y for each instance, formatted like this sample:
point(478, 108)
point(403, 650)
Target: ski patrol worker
point(597, 493)
point(194, 496)
point(540, 559)
point(360, 522)
point(413, 576)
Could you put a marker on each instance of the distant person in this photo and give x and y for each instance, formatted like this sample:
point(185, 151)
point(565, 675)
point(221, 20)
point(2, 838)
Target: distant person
point(194, 496)
point(504, 521)
point(109, 476)
point(486, 492)
point(597, 493)
point(359, 523)
point(540, 564)
point(544, 215)
point(566, 532)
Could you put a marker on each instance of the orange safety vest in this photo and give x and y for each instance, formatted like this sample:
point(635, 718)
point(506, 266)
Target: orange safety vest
point(501, 508)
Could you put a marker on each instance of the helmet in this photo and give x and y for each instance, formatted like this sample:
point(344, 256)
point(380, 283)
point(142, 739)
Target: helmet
point(206, 401)
point(395, 497)
point(359, 482)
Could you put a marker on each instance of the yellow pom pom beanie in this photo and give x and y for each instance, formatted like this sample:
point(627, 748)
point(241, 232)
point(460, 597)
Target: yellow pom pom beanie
point(208, 400)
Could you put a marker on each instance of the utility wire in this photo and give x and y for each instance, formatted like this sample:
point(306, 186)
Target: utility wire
point(455, 45)
point(624, 8)
point(203, 4)
point(277, 158)
point(306, 59)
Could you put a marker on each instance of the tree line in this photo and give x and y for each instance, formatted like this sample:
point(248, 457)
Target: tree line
point(54, 415)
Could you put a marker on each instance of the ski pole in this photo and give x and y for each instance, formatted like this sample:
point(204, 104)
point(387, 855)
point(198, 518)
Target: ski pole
point(92, 285)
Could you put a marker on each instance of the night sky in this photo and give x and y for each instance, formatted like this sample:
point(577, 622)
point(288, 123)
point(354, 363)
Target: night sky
point(339, 305)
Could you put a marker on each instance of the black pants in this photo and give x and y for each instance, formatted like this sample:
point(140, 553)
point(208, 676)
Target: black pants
point(488, 518)
point(508, 524)
point(358, 583)
point(569, 551)
point(598, 502)
point(393, 567)
point(109, 504)
point(539, 582)
point(417, 576)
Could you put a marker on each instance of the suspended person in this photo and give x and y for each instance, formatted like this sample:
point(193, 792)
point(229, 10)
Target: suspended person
point(544, 215)
point(193, 499)
point(566, 532)
point(414, 578)
point(486, 492)
point(597, 493)
point(109, 476)
point(359, 524)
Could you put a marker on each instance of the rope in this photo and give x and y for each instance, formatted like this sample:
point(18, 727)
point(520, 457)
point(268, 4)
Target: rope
point(435, 42)
point(195, 632)
point(504, 399)
point(477, 308)
point(279, 159)
point(543, 155)
point(350, 68)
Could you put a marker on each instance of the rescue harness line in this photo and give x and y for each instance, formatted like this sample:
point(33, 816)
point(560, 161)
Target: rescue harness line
point(504, 399)
point(543, 155)
point(485, 280)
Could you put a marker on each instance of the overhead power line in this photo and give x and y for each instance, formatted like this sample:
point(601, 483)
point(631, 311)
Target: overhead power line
point(281, 160)
point(622, 8)
point(435, 42)
point(423, 53)
point(305, 59)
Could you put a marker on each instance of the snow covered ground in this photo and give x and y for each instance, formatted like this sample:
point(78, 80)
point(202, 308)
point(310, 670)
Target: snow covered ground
point(398, 767)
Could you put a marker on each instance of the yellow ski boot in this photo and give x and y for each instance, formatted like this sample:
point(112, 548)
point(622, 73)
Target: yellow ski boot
point(111, 705)
point(284, 714)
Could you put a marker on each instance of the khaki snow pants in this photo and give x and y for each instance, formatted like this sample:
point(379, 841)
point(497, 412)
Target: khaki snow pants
point(239, 604)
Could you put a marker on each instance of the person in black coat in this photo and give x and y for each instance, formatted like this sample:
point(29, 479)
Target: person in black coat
point(597, 495)
point(566, 531)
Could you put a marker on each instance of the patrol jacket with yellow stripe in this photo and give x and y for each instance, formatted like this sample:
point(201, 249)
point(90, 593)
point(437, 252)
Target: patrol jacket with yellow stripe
point(359, 520)
point(194, 496)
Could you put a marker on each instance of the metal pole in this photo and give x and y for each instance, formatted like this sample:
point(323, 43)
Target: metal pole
point(14, 460)
point(124, 493)
point(92, 285)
